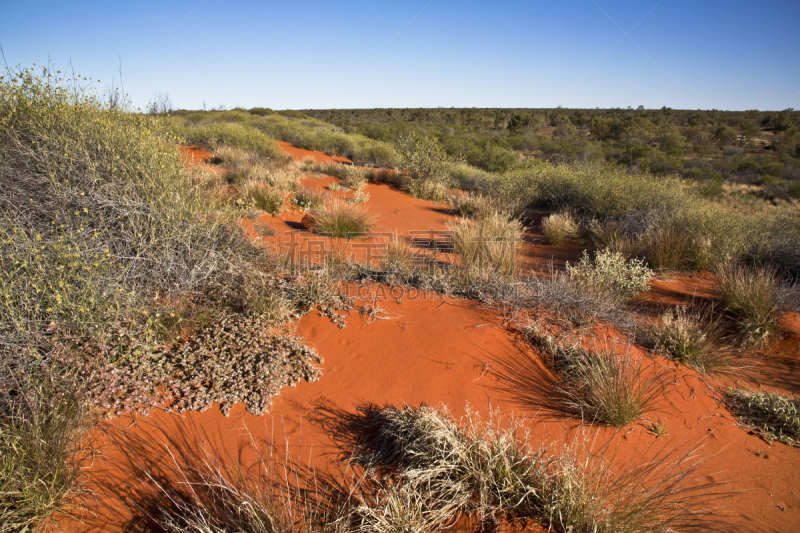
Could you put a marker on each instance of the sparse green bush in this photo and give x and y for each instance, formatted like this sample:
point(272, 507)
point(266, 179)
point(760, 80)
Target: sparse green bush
point(611, 270)
point(774, 416)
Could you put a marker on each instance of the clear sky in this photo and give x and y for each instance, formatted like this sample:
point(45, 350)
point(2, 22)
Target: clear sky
point(309, 54)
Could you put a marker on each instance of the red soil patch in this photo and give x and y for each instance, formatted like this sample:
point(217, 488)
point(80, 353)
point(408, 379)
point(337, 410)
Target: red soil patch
point(299, 154)
point(425, 349)
point(193, 155)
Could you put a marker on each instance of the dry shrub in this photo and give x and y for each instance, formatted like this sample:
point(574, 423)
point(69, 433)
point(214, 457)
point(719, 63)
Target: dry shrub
point(675, 248)
point(480, 206)
point(488, 246)
point(559, 293)
point(428, 189)
point(355, 178)
point(558, 227)
point(611, 271)
point(751, 295)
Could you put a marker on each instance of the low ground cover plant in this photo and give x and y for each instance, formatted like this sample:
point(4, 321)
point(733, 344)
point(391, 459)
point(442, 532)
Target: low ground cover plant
point(771, 414)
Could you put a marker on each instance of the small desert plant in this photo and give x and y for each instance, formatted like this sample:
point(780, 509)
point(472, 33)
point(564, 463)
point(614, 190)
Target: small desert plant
point(489, 245)
point(480, 205)
point(776, 417)
point(675, 248)
point(692, 340)
point(259, 195)
point(611, 270)
point(354, 178)
point(559, 293)
point(428, 189)
point(750, 294)
point(359, 197)
point(334, 186)
point(558, 227)
point(603, 387)
point(310, 198)
point(341, 219)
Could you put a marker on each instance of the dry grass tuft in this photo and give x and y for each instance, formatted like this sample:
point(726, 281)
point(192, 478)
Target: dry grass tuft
point(443, 468)
point(559, 227)
point(488, 246)
point(343, 220)
point(751, 294)
point(692, 340)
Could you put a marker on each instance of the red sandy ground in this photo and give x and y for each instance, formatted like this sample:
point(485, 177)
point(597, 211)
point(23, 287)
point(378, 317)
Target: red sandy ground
point(433, 350)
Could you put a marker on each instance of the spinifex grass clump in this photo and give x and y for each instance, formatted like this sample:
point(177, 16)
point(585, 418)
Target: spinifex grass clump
point(344, 220)
point(776, 417)
point(691, 339)
point(310, 198)
point(558, 227)
point(750, 294)
point(605, 388)
point(261, 196)
point(39, 439)
point(488, 246)
point(434, 468)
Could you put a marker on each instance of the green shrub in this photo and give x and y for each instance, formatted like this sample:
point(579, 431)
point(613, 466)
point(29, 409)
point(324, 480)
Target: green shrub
point(421, 157)
point(613, 271)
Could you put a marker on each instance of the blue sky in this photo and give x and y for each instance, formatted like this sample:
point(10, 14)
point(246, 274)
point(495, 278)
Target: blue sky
point(422, 53)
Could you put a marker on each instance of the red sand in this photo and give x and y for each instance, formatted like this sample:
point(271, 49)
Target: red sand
point(434, 350)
